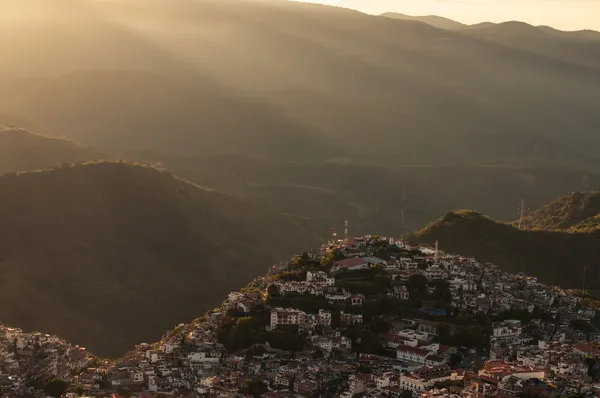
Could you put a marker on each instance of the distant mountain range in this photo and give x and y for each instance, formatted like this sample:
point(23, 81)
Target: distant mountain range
point(294, 81)
point(433, 20)
point(389, 200)
point(21, 149)
point(111, 254)
point(449, 24)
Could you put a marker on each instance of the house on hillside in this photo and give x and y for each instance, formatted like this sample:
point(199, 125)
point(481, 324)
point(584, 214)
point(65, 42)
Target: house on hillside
point(350, 264)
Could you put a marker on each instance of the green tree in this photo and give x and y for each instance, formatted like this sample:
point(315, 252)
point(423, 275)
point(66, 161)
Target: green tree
point(124, 392)
point(417, 286)
point(56, 388)
point(273, 291)
point(254, 387)
point(79, 391)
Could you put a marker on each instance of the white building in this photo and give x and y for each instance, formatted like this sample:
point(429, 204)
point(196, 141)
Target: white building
point(412, 354)
point(423, 379)
point(507, 329)
point(320, 278)
point(204, 360)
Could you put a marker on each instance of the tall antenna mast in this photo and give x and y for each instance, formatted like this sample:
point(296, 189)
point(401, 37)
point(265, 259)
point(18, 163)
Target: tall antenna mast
point(403, 200)
point(346, 232)
point(435, 258)
point(334, 235)
point(522, 214)
point(586, 182)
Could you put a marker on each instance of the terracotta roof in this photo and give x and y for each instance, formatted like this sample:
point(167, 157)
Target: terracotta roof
point(436, 358)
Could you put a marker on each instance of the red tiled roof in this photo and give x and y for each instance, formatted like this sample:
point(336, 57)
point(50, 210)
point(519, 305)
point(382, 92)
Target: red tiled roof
point(587, 348)
point(489, 379)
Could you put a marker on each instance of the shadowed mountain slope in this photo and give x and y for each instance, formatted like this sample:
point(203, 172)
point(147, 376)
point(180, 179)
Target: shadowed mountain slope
point(433, 20)
point(112, 254)
point(555, 257)
point(23, 150)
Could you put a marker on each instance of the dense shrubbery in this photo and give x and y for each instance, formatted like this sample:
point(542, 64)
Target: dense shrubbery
point(240, 333)
point(577, 210)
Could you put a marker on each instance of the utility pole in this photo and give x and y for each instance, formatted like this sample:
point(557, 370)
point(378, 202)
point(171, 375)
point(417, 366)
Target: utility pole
point(522, 215)
point(346, 232)
point(402, 210)
point(586, 182)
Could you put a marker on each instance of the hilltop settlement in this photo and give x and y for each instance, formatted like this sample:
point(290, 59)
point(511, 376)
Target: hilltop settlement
point(359, 317)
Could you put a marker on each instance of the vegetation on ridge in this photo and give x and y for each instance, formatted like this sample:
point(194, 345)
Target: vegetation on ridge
point(556, 257)
point(22, 150)
point(107, 254)
point(569, 211)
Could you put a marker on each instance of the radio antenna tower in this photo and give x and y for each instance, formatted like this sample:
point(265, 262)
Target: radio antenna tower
point(436, 256)
point(334, 235)
point(522, 215)
point(346, 232)
point(402, 210)
point(586, 182)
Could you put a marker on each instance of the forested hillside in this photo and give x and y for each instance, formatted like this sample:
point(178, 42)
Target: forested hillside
point(112, 254)
point(569, 211)
point(556, 257)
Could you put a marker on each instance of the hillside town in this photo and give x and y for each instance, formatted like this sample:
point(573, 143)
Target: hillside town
point(359, 317)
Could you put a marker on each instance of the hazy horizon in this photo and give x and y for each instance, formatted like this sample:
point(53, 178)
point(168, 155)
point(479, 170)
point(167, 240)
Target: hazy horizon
point(560, 14)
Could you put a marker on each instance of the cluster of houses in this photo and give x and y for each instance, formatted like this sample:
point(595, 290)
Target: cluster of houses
point(26, 356)
point(547, 355)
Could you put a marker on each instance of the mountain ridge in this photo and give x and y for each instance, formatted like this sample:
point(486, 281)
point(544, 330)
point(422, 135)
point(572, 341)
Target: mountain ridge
point(566, 212)
point(23, 150)
point(556, 257)
point(450, 24)
point(111, 240)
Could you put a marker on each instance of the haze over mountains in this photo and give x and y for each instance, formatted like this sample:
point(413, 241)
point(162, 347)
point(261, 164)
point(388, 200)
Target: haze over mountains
point(449, 24)
point(294, 80)
point(21, 150)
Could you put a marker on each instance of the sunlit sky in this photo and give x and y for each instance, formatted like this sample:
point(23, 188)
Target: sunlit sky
point(561, 14)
